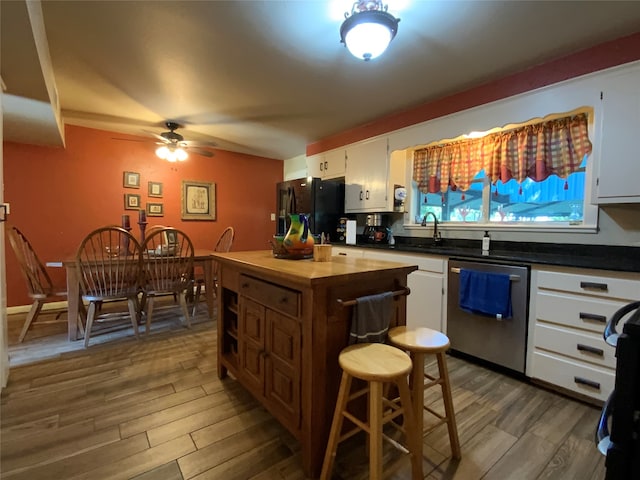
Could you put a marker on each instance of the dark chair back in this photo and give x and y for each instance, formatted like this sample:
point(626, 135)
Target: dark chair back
point(38, 281)
point(108, 263)
point(168, 261)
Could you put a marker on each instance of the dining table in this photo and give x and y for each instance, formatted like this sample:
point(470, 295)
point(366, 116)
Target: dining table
point(201, 257)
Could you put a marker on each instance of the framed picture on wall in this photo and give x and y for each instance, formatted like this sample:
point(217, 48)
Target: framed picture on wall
point(131, 180)
point(155, 210)
point(155, 189)
point(131, 201)
point(198, 200)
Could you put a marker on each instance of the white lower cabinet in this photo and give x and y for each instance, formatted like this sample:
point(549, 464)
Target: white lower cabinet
point(568, 312)
point(426, 303)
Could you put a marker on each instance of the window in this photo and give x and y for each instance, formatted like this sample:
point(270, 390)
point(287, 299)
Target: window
point(552, 200)
point(451, 181)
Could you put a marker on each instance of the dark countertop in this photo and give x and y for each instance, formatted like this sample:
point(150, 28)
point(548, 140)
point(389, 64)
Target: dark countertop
point(602, 257)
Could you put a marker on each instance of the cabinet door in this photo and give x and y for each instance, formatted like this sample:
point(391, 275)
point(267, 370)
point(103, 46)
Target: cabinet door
point(282, 366)
point(334, 163)
point(366, 177)
point(315, 166)
point(251, 340)
point(619, 167)
point(424, 303)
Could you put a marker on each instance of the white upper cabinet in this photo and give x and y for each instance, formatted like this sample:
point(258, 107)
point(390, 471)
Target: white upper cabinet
point(617, 179)
point(367, 177)
point(331, 164)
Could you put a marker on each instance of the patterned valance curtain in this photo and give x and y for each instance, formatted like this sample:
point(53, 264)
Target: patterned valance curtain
point(534, 151)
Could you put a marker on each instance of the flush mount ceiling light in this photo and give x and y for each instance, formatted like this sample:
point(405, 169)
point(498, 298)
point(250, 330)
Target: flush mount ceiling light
point(171, 153)
point(368, 29)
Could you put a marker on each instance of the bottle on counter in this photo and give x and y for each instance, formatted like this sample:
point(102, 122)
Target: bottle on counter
point(486, 240)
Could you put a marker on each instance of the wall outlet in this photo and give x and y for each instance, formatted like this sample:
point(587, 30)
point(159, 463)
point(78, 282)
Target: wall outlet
point(273, 217)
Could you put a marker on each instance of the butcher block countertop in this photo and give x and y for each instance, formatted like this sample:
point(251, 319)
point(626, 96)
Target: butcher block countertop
point(307, 271)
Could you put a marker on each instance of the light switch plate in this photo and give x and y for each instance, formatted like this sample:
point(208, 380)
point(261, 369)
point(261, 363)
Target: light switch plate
point(273, 217)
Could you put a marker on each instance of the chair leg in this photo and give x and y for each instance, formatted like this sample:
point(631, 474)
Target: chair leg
point(90, 316)
point(133, 312)
point(185, 309)
point(448, 405)
point(196, 298)
point(336, 426)
point(36, 306)
point(149, 313)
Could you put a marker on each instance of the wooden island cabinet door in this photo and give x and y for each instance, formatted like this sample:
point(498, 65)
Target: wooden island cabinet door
point(251, 341)
point(283, 366)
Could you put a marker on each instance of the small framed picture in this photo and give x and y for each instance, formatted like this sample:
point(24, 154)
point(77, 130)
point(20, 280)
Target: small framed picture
point(155, 189)
point(131, 201)
point(171, 237)
point(198, 200)
point(155, 210)
point(131, 180)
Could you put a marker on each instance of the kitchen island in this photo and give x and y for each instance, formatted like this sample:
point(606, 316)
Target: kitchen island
point(281, 326)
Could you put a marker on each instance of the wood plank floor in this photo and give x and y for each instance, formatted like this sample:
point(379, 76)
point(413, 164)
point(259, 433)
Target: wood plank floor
point(154, 409)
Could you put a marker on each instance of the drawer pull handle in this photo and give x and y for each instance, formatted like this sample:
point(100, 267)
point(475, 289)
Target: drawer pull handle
point(245, 285)
point(596, 286)
point(587, 348)
point(589, 383)
point(343, 254)
point(284, 300)
point(593, 316)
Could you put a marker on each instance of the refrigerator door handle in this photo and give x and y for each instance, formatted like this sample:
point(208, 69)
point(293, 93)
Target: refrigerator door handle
point(291, 204)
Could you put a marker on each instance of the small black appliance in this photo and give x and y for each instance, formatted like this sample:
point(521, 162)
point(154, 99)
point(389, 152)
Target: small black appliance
point(622, 409)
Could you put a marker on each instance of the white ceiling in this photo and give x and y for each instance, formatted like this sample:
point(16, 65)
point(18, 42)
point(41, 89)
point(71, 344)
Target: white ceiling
point(270, 77)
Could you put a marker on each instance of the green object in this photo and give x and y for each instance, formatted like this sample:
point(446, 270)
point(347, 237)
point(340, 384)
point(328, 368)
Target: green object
point(299, 238)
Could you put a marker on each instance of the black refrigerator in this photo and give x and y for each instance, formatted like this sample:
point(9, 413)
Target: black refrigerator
point(322, 200)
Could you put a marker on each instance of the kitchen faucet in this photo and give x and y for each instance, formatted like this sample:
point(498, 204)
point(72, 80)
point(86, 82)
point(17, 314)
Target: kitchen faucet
point(437, 236)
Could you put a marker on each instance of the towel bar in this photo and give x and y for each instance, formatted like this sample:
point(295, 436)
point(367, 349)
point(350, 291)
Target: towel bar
point(395, 293)
point(513, 278)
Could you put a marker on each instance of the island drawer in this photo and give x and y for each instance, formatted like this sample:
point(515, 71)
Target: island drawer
point(272, 296)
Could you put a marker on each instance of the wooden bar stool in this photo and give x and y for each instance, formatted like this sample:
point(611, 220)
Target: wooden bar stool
point(377, 364)
point(420, 342)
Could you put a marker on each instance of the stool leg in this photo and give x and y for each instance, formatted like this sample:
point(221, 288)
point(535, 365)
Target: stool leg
point(412, 428)
point(375, 430)
point(417, 388)
point(448, 405)
point(336, 426)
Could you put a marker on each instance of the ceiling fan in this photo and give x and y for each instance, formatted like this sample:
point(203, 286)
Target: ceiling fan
point(173, 147)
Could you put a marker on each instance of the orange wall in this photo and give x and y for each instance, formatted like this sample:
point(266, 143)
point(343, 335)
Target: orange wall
point(58, 195)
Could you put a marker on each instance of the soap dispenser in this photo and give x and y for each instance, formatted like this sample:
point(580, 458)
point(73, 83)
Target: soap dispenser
point(486, 240)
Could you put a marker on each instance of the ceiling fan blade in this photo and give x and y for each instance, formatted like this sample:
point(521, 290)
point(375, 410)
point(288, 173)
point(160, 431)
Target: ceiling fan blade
point(201, 151)
point(128, 139)
point(159, 137)
point(196, 143)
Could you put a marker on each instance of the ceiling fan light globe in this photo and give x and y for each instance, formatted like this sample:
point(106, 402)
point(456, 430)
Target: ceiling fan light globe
point(181, 155)
point(162, 152)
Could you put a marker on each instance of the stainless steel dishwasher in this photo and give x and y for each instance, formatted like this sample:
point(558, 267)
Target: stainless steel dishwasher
point(502, 341)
